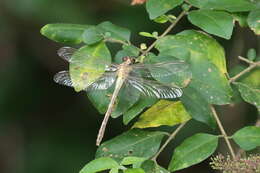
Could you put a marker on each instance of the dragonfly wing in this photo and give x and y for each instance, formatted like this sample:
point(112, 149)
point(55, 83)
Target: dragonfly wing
point(102, 83)
point(66, 53)
point(162, 69)
point(63, 78)
point(154, 89)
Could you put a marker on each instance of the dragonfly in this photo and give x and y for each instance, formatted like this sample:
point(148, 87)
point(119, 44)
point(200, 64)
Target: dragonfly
point(140, 76)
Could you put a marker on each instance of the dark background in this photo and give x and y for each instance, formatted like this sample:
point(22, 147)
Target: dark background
point(45, 127)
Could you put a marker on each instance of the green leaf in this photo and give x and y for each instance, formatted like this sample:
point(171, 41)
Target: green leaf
point(161, 19)
point(92, 35)
point(193, 150)
point(150, 166)
point(137, 143)
point(89, 63)
point(137, 108)
point(156, 8)
point(114, 32)
point(128, 50)
point(248, 137)
point(251, 54)
point(249, 93)
point(132, 160)
point(100, 99)
point(146, 34)
point(197, 106)
point(249, 87)
point(253, 20)
point(207, 63)
point(185, 7)
point(100, 164)
point(228, 5)
point(134, 170)
point(250, 79)
point(164, 112)
point(214, 22)
point(64, 33)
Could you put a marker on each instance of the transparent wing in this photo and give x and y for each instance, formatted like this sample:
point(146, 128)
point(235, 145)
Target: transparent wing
point(66, 53)
point(154, 89)
point(102, 83)
point(63, 78)
point(162, 69)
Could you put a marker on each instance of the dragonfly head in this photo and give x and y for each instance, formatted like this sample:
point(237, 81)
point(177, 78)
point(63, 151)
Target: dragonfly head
point(128, 59)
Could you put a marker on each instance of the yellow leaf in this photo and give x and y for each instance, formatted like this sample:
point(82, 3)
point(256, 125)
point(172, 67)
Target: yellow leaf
point(164, 112)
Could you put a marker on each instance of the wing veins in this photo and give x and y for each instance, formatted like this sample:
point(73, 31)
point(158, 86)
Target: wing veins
point(154, 89)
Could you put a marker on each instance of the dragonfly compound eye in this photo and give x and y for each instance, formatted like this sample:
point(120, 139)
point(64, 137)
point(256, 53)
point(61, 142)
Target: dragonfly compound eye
point(125, 58)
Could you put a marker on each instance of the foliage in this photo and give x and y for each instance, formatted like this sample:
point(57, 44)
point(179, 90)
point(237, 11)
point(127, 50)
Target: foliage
point(193, 150)
point(204, 84)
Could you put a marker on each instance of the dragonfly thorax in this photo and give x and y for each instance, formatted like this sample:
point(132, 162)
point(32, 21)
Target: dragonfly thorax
point(124, 69)
point(129, 60)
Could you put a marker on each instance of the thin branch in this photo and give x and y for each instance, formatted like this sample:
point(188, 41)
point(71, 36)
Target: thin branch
point(246, 60)
point(172, 136)
point(183, 13)
point(248, 69)
point(222, 130)
point(111, 40)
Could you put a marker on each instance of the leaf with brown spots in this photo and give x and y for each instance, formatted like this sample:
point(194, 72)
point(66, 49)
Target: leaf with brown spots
point(134, 143)
point(207, 63)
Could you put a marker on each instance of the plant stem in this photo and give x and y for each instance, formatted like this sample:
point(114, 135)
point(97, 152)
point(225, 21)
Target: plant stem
point(246, 60)
point(183, 13)
point(123, 43)
point(172, 136)
point(116, 41)
point(223, 132)
point(248, 69)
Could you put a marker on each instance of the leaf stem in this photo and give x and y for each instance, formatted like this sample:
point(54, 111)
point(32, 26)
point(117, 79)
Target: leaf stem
point(222, 136)
point(172, 136)
point(222, 130)
point(116, 41)
point(111, 40)
point(248, 69)
point(183, 13)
